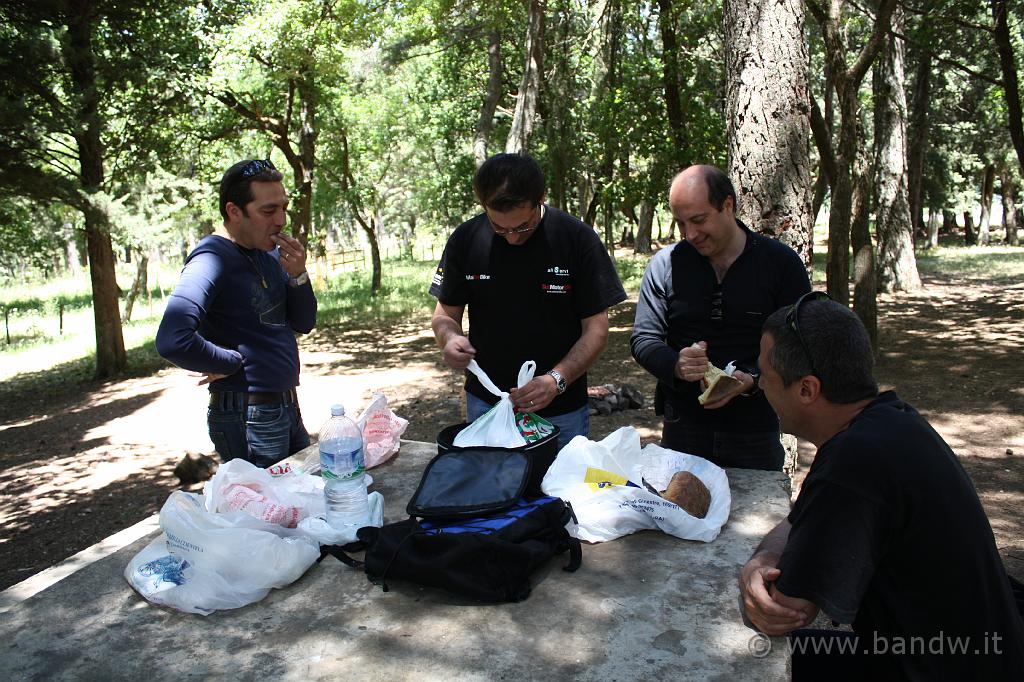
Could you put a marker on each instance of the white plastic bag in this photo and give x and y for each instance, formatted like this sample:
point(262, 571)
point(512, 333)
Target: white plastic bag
point(382, 431)
point(497, 426)
point(317, 527)
point(204, 562)
point(286, 499)
point(604, 483)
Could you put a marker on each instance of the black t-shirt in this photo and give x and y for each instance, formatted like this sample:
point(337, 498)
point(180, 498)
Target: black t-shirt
point(888, 534)
point(526, 302)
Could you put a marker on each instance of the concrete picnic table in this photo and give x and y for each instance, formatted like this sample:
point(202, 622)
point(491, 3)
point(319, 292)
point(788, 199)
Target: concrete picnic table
point(648, 606)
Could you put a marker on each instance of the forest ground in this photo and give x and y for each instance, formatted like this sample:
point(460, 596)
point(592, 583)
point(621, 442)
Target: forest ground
point(81, 460)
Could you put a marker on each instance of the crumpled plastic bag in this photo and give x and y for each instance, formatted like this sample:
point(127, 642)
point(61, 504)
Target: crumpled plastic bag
point(603, 481)
point(205, 561)
point(285, 499)
point(382, 431)
point(496, 427)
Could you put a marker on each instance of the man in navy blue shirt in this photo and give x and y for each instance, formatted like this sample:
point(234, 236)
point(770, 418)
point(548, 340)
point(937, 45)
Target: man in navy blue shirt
point(243, 294)
point(704, 300)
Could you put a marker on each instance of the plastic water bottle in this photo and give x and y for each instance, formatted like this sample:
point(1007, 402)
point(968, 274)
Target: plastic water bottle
point(342, 468)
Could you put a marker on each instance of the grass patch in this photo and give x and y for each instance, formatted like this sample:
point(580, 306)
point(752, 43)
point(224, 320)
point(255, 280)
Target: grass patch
point(348, 297)
point(995, 264)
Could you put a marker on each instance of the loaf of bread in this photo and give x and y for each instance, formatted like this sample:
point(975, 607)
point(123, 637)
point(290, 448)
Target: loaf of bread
point(690, 493)
point(719, 385)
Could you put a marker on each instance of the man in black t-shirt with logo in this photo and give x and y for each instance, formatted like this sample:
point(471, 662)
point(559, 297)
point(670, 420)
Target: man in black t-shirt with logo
point(887, 535)
point(538, 284)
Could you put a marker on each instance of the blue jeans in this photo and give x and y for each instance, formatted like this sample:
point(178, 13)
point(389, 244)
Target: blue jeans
point(262, 434)
point(570, 424)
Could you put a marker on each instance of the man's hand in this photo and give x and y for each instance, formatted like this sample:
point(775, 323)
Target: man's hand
point(536, 395)
point(746, 385)
point(692, 362)
point(207, 377)
point(772, 612)
point(291, 254)
point(458, 352)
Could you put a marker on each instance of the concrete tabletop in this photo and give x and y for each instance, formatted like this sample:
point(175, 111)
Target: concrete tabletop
point(644, 607)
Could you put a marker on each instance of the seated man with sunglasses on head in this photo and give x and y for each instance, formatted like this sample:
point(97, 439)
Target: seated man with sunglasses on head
point(704, 300)
point(538, 284)
point(887, 534)
point(243, 295)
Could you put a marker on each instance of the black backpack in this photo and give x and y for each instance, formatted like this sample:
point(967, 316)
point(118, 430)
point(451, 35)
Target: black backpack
point(470, 531)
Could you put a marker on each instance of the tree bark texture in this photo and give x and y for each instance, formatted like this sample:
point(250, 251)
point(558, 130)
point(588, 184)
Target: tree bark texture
point(988, 185)
point(933, 228)
point(518, 141)
point(768, 119)
point(110, 354)
point(970, 236)
point(918, 133)
point(846, 80)
point(643, 228)
point(485, 123)
point(1009, 192)
point(865, 301)
point(897, 266)
point(1001, 35)
point(139, 285)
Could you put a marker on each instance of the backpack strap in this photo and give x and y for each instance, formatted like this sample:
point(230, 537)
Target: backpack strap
point(575, 548)
point(340, 553)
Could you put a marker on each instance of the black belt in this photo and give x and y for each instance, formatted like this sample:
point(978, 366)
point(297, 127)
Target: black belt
point(227, 400)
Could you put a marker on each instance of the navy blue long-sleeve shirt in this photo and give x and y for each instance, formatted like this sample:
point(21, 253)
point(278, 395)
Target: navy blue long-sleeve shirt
point(234, 313)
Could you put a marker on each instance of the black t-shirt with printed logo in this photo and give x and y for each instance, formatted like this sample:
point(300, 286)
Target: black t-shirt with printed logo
point(526, 302)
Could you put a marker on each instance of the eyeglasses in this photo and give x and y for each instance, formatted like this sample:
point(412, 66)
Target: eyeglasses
point(525, 227)
point(255, 167)
point(793, 321)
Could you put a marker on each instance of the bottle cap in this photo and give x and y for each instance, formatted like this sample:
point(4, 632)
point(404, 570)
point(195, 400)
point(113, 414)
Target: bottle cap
point(337, 410)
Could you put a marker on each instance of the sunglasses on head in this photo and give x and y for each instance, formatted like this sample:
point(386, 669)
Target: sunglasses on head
point(255, 167)
point(793, 321)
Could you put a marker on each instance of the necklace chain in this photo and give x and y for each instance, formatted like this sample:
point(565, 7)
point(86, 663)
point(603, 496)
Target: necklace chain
point(256, 268)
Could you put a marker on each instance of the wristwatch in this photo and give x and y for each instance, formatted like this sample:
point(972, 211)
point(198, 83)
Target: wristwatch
point(559, 381)
point(298, 281)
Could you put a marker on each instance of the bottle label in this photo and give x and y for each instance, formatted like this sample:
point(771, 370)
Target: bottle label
point(343, 466)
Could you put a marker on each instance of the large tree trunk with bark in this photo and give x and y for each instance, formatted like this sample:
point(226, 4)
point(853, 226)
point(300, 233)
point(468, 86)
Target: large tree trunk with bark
point(485, 123)
point(988, 186)
point(768, 130)
point(918, 133)
point(1009, 193)
point(110, 355)
point(897, 266)
point(529, 86)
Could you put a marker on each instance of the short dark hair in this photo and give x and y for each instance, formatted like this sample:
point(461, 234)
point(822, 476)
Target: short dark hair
point(506, 181)
point(838, 342)
point(236, 183)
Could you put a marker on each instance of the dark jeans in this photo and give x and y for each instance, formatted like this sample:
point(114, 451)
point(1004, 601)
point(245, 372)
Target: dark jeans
point(760, 450)
point(262, 434)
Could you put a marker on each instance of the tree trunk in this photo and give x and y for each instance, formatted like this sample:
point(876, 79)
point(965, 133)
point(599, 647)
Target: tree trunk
point(110, 355)
point(558, 99)
point(918, 132)
point(933, 228)
point(485, 123)
point(897, 266)
point(1009, 193)
point(988, 186)
point(819, 194)
point(518, 141)
point(1001, 35)
point(865, 301)
point(604, 81)
point(768, 129)
point(670, 83)
point(643, 228)
point(970, 237)
point(949, 225)
point(139, 285)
